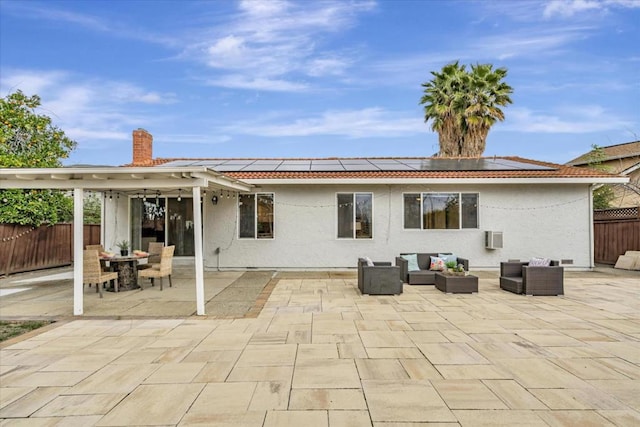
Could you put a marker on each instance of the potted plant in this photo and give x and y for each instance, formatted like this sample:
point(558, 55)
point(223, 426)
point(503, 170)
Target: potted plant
point(455, 270)
point(124, 247)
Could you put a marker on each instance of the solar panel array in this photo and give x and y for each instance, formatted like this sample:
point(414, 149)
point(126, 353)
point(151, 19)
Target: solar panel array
point(359, 165)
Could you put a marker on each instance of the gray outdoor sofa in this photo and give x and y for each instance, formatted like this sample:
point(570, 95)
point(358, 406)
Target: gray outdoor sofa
point(424, 276)
point(520, 278)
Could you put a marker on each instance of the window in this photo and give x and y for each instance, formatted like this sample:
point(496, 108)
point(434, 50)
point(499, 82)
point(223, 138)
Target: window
point(355, 215)
point(440, 211)
point(255, 213)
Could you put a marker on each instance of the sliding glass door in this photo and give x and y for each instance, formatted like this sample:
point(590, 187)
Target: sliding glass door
point(166, 220)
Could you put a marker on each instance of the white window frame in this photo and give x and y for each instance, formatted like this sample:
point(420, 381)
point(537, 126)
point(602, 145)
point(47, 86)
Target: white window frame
point(353, 219)
point(459, 193)
point(255, 215)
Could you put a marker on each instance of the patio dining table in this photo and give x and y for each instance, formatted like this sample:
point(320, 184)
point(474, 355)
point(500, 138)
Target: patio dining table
point(127, 269)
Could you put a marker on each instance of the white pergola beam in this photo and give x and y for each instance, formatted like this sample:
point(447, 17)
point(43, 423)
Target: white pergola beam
point(78, 255)
point(199, 262)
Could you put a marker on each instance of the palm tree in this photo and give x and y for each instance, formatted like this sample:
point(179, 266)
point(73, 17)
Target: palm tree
point(464, 105)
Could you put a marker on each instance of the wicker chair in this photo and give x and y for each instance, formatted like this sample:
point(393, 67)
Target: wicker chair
point(155, 250)
point(520, 278)
point(158, 271)
point(100, 249)
point(92, 272)
point(380, 279)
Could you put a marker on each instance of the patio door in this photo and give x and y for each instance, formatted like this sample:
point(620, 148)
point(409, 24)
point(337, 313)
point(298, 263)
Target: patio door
point(166, 220)
point(180, 226)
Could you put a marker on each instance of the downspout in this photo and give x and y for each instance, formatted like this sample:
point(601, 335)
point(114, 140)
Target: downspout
point(591, 232)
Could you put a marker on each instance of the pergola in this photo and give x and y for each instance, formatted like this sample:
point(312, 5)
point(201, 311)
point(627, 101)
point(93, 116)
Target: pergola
point(168, 180)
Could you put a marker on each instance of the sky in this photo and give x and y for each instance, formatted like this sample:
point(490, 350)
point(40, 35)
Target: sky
point(306, 78)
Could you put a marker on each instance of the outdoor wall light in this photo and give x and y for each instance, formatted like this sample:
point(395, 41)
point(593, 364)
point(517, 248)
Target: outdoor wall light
point(214, 200)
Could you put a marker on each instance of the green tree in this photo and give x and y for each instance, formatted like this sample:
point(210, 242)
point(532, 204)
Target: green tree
point(92, 209)
point(604, 194)
point(463, 105)
point(30, 140)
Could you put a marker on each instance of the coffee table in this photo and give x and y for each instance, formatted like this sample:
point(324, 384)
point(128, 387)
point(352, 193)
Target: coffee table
point(456, 284)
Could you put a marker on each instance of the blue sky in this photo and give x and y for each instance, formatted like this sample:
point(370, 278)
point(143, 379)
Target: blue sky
point(319, 78)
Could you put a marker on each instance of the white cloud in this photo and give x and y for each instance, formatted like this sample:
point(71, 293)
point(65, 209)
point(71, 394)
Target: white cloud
point(88, 110)
point(278, 41)
point(578, 119)
point(239, 81)
point(528, 43)
point(365, 123)
point(569, 8)
point(29, 82)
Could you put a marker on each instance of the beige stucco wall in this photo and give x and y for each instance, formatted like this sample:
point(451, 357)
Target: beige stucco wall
point(537, 220)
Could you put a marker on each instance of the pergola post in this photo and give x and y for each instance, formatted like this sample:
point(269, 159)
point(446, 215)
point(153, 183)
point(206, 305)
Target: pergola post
point(197, 240)
point(78, 255)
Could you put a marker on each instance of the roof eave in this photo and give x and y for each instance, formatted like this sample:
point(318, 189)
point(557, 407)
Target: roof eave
point(333, 181)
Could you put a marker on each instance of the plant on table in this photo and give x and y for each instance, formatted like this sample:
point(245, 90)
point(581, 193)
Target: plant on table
point(455, 269)
point(124, 247)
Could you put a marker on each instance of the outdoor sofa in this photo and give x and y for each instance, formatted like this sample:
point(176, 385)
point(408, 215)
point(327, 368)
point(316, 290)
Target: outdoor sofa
point(423, 276)
point(381, 278)
point(521, 278)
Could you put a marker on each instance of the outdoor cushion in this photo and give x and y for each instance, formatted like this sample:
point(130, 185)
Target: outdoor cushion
point(368, 260)
point(412, 262)
point(448, 257)
point(539, 262)
point(437, 264)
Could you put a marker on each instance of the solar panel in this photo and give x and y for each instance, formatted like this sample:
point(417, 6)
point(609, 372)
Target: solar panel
point(360, 167)
point(294, 166)
point(337, 165)
point(326, 166)
point(261, 167)
point(177, 163)
point(209, 163)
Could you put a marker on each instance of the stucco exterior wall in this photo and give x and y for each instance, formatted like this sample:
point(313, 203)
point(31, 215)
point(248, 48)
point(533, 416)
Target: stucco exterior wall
point(116, 222)
point(537, 220)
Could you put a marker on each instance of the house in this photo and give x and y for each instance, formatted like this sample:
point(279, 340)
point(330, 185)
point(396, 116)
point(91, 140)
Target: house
point(325, 213)
point(620, 159)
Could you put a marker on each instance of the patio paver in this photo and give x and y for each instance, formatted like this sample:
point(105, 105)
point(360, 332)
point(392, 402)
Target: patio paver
point(318, 353)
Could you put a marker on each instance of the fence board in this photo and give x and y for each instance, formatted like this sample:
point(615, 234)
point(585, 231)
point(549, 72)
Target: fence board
point(24, 248)
point(615, 232)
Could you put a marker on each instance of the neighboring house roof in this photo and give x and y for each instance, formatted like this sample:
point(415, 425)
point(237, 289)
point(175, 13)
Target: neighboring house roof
point(611, 152)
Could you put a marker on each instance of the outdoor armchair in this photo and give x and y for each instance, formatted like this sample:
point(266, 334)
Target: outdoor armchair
point(520, 278)
point(381, 278)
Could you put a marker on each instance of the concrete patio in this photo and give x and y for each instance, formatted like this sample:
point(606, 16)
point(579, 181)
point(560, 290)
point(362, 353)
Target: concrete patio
point(310, 350)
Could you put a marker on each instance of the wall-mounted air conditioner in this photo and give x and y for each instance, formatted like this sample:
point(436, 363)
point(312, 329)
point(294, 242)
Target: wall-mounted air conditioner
point(493, 239)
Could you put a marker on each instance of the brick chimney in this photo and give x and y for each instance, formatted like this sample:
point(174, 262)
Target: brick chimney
point(142, 148)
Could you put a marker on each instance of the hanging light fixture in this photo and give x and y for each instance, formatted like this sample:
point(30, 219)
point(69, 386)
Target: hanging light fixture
point(179, 195)
point(144, 195)
point(157, 197)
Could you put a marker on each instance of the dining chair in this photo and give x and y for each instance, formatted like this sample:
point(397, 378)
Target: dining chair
point(163, 269)
point(92, 272)
point(155, 250)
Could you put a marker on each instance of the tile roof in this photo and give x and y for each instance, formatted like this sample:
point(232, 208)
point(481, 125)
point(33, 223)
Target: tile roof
point(618, 151)
point(548, 170)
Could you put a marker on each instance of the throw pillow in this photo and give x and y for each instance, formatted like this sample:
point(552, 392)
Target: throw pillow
point(437, 264)
point(448, 257)
point(412, 260)
point(368, 260)
point(539, 262)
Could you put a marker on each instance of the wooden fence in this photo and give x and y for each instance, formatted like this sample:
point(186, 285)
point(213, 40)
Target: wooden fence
point(25, 248)
point(615, 231)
